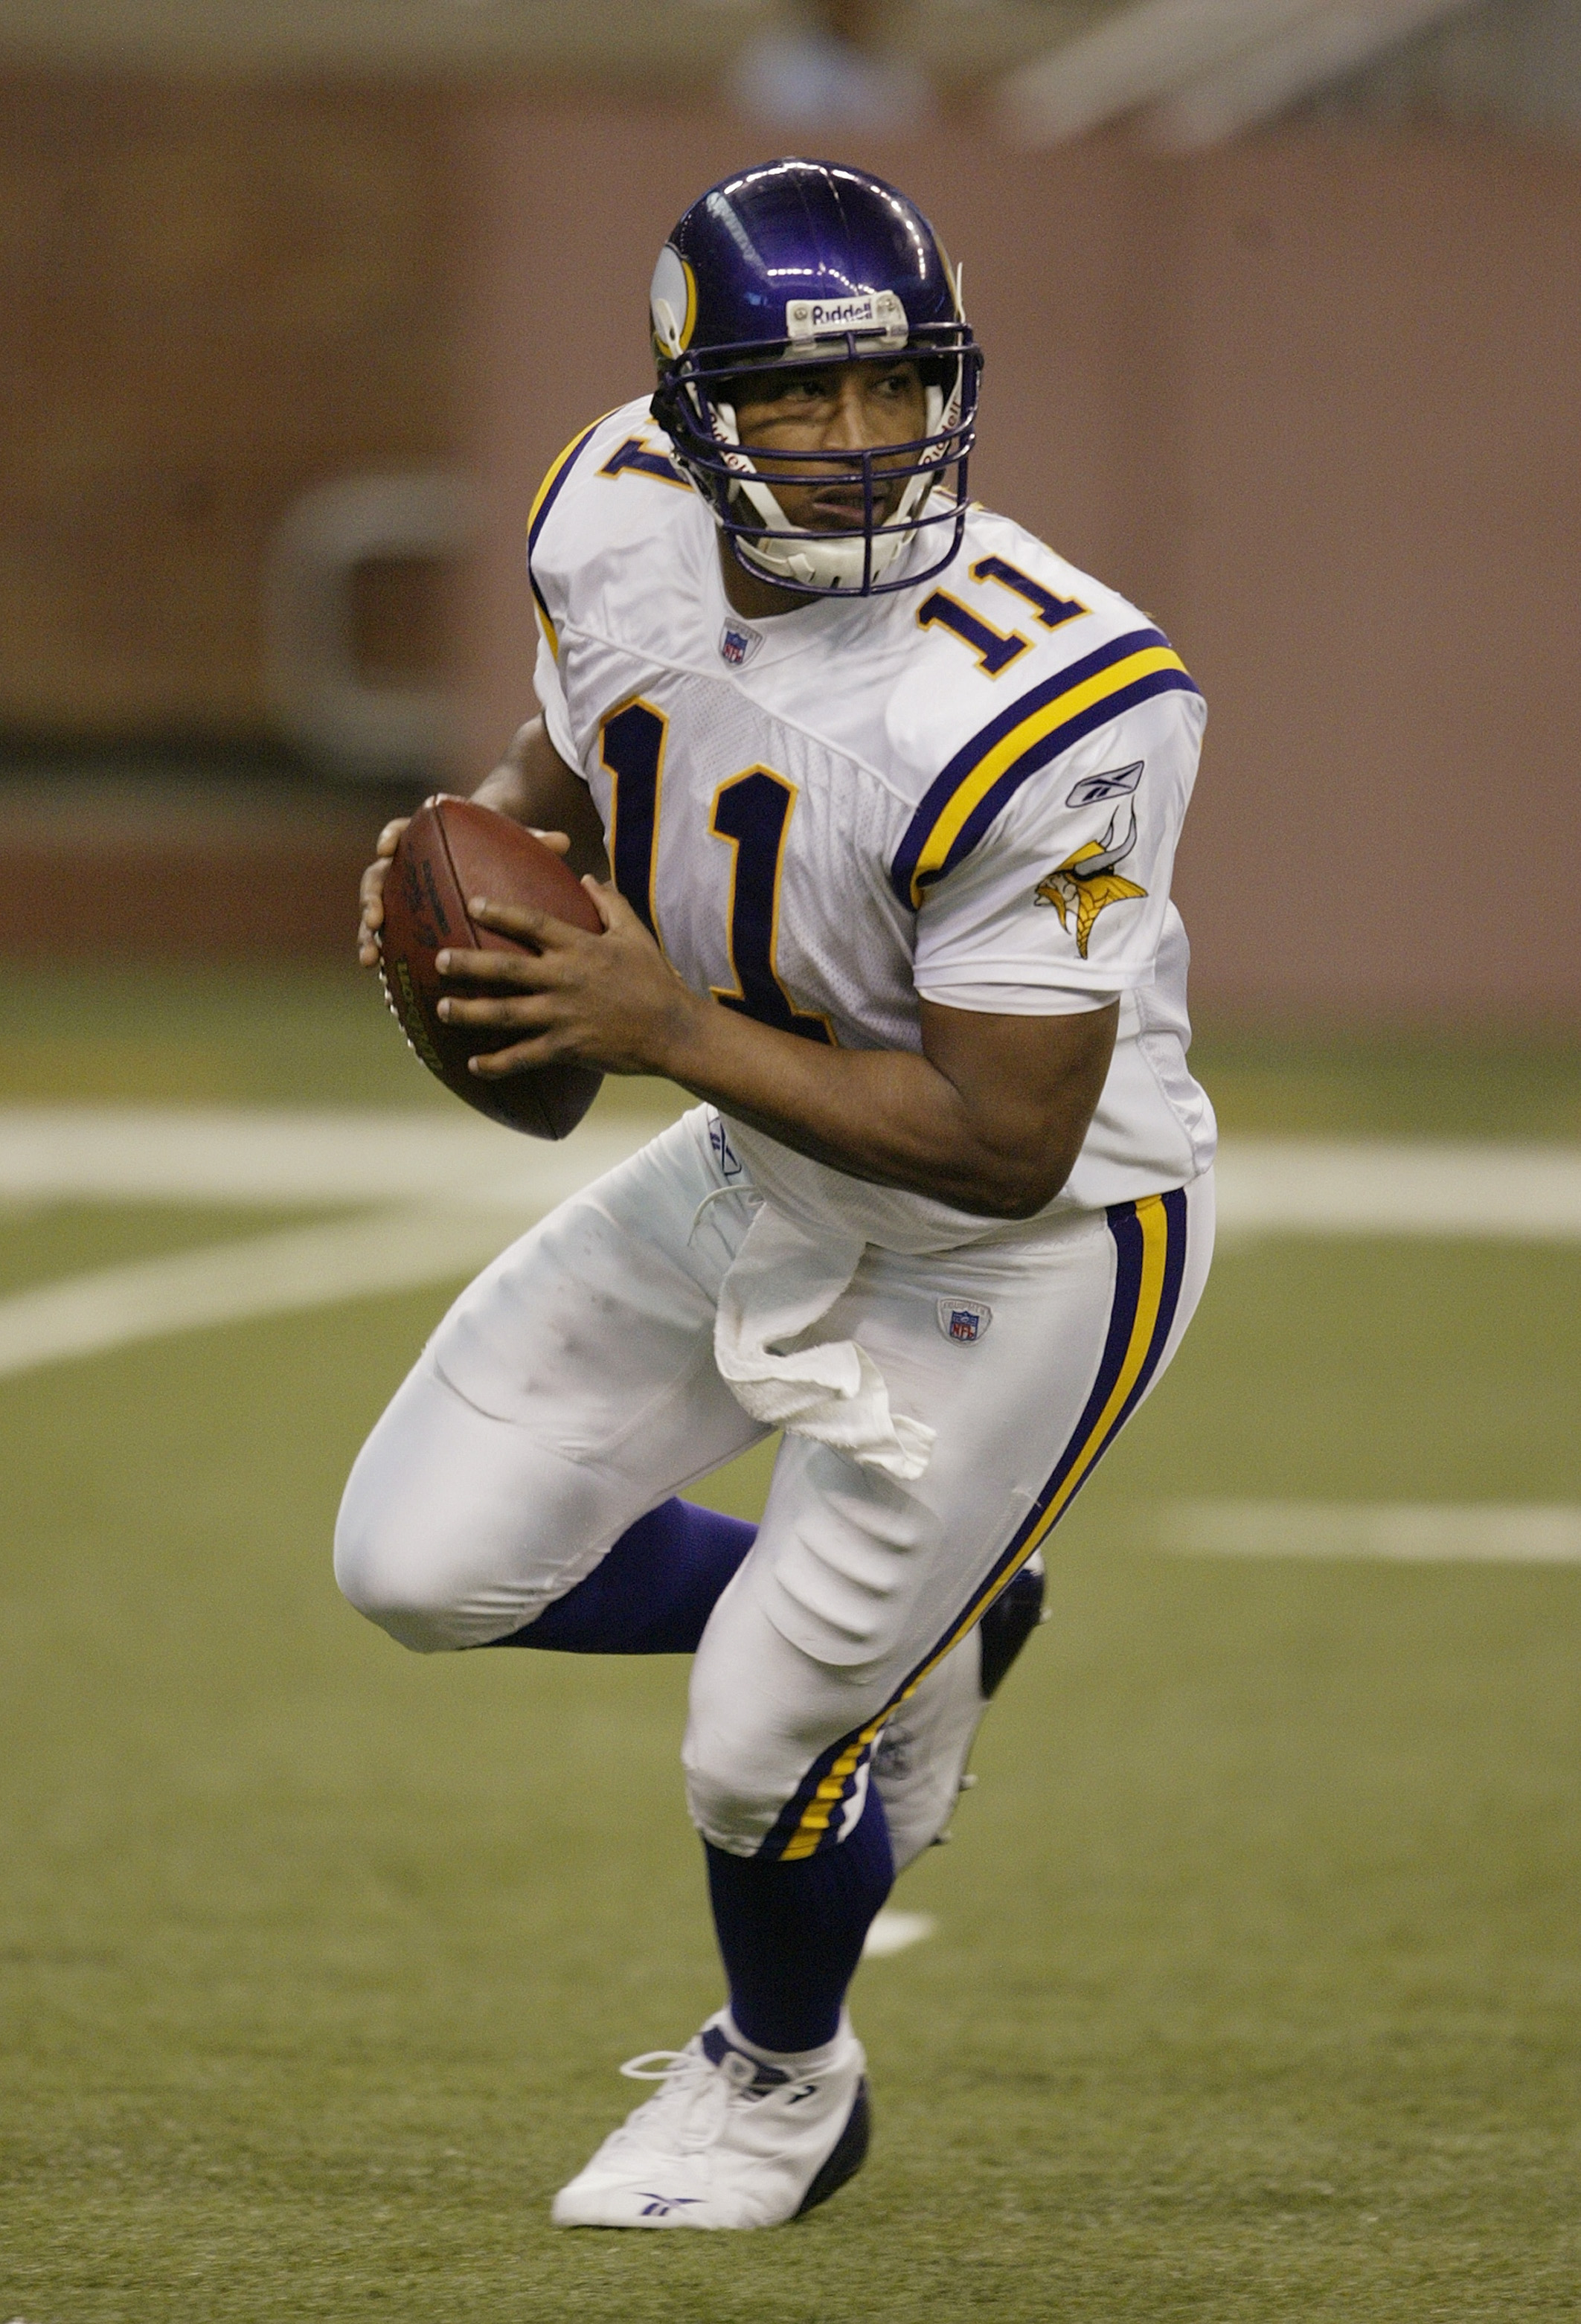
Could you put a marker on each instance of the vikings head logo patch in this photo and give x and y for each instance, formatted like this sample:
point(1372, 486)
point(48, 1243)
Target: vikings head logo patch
point(1086, 884)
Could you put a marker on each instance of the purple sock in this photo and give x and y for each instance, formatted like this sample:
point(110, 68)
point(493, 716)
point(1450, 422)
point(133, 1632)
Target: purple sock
point(790, 1934)
point(653, 1592)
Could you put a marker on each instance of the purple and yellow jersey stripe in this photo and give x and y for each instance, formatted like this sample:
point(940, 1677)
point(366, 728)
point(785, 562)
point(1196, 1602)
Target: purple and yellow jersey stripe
point(1149, 1241)
point(549, 491)
point(984, 776)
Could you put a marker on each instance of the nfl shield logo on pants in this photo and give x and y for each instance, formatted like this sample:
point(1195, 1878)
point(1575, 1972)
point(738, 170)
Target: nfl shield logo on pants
point(964, 1319)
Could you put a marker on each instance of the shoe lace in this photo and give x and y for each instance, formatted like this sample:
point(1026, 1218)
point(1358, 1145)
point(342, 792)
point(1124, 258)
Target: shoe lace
point(688, 2107)
point(660, 2065)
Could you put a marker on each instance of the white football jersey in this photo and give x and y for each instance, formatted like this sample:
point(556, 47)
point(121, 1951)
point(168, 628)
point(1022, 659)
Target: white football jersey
point(969, 792)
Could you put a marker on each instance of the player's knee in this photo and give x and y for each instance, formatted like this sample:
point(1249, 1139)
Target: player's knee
point(755, 1726)
point(454, 1531)
point(729, 1814)
point(417, 1561)
point(391, 1577)
point(736, 1781)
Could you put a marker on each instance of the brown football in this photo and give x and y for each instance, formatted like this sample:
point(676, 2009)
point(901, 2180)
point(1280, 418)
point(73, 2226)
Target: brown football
point(450, 850)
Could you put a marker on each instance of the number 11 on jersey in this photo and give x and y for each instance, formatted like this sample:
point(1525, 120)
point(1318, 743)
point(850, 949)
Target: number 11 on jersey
point(631, 743)
point(752, 813)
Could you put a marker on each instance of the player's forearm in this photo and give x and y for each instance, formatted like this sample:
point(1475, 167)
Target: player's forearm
point(533, 785)
point(884, 1115)
point(990, 1118)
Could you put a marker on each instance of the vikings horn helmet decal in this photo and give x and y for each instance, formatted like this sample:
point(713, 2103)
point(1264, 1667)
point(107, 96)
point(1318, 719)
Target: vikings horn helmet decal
point(808, 262)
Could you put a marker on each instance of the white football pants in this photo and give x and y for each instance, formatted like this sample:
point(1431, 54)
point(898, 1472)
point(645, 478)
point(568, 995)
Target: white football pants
point(573, 1386)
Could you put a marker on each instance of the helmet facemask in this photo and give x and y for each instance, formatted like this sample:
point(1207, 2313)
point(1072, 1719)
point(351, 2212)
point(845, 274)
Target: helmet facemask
point(799, 558)
point(697, 404)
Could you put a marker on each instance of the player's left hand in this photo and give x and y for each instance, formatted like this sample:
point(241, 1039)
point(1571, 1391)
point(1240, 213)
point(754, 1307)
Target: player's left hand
point(611, 1001)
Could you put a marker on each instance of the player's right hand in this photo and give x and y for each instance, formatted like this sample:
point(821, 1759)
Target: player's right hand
point(372, 893)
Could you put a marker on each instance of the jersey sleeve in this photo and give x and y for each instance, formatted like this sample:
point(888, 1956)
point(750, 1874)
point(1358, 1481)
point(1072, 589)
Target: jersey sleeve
point(548, 584)
point(1057, 902)
point(551, 701)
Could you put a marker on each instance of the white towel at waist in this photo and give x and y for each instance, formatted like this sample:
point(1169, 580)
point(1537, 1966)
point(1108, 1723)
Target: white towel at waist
point(801, 1252)
point(780, 1284)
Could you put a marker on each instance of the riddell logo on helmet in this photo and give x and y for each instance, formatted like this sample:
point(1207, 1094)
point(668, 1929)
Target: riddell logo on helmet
point(817, 319)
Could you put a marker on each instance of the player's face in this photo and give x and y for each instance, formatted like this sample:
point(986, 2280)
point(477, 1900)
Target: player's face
point(835, 408)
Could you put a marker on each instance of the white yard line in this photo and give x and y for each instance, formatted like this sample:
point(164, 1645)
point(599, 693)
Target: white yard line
point(1411, 1533)
point(467, 1190)
point(1519, 1193)
point(894, 1932)
point(234, 1155)
point(237, 1282)
point(237, 1155)
point(467, 1187)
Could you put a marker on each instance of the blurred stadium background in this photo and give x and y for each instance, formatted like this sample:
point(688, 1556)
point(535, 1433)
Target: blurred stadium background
point(1249, 1988)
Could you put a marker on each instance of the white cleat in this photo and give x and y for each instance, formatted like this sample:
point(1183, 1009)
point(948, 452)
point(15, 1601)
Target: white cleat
point(919, 1767)
point(726, 2142)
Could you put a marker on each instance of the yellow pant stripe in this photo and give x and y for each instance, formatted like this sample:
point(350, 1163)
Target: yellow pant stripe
point(1153, 1221)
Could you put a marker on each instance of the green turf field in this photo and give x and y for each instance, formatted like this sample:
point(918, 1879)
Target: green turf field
point(1255, 1986)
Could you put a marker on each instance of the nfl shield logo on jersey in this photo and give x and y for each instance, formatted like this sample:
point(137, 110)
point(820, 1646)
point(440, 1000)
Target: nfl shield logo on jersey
point(964, 1319)
point(738, 643)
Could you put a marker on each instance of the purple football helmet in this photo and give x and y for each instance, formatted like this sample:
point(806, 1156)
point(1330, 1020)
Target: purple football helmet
point(804, 262)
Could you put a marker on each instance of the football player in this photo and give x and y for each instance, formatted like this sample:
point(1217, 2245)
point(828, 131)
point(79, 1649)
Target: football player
point(878, 800)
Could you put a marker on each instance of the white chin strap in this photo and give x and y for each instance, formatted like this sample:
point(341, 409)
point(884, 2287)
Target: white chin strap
point(803, 558)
